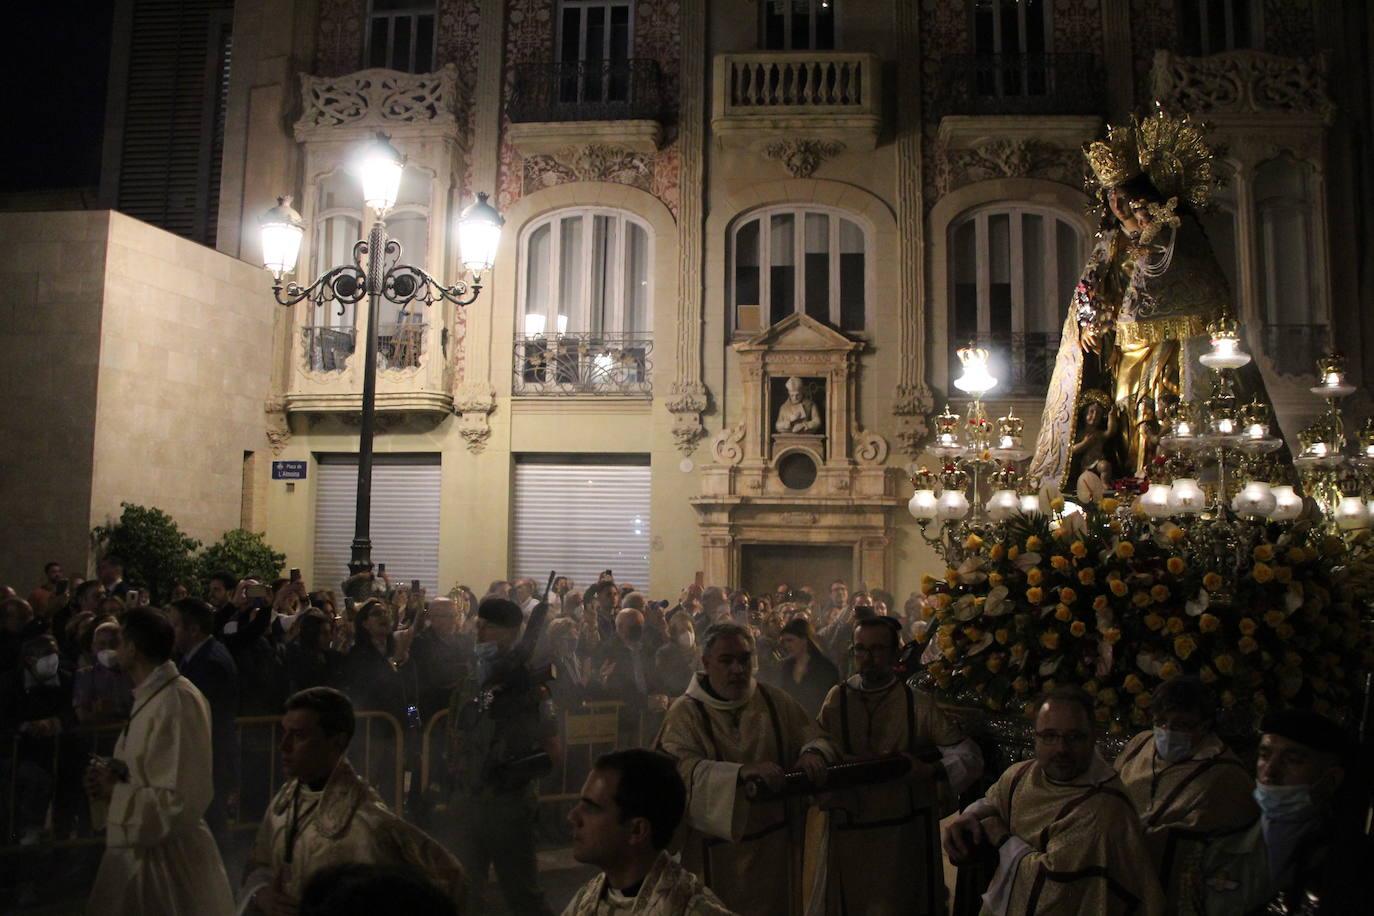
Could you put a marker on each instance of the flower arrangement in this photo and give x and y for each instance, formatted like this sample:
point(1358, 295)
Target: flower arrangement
point(1115, 603)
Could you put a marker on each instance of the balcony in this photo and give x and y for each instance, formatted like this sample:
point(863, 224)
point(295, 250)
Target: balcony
point(1021, 84)
point(765, 97)
point(574, 103)
point(589, 364)
point(327, 367)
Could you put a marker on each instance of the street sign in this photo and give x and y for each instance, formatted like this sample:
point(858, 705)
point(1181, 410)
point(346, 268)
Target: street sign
point(288, 470)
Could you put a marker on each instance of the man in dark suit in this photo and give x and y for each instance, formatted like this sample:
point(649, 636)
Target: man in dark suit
point(205, 662)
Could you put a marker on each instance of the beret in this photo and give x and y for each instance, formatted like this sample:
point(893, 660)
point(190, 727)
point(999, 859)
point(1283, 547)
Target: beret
point(501, 611)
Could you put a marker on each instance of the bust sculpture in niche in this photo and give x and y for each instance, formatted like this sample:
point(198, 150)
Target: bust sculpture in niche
point(798, 414)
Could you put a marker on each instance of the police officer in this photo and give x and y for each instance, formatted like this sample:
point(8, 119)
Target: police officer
point(501, 737)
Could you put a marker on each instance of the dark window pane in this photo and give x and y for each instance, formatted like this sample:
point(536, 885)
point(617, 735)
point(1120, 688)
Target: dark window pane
point(774, 38)
point(400, 43)
point(595, 48)
point(801, 27)
point(376, 45)
point(1244, 32)
point(825, 27)
point(424, 44)
point(781, 279)
point(1216, 26)
point(572, 21)
point(818, 286)
point(1035, 26)
point(983, 38)
point(852, 292)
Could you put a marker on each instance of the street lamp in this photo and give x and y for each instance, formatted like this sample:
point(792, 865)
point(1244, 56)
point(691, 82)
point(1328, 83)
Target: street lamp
point(376, 272)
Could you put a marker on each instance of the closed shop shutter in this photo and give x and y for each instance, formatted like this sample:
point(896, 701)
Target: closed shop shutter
point(582, 518)
point(405, 517)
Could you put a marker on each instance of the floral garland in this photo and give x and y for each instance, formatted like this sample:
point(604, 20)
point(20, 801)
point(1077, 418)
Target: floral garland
point(1115, 603)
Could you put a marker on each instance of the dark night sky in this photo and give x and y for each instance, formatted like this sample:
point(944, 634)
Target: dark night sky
point(55, 73)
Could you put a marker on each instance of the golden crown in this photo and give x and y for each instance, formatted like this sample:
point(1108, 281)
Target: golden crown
point(1170, 150)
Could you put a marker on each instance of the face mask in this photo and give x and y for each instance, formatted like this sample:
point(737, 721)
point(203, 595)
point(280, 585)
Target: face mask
point(106, 658)
point(1173, 746)
point(46, 667)
point(486, 651)
point(685, 639)
point(1283, 803)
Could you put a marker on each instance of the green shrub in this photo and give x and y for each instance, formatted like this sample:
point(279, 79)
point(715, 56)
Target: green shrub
point(156, 553)
point(243, 553)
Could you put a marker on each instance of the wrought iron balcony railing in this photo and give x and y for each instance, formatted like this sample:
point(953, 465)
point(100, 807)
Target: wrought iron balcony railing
point(328, 349)
point(1294, 348)
point(1022, 363)
point(587, 91)
point(584, 364)
point(999, 84)
point(399, 346)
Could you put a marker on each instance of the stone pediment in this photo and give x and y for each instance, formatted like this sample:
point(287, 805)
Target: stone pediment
point(799, 332)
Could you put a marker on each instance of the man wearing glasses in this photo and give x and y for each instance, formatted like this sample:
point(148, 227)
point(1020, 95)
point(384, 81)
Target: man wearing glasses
point(884, 853)
point(1065, 836)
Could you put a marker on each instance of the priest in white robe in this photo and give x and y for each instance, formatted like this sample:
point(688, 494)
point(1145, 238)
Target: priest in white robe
point(727, 731)
point(151, 796)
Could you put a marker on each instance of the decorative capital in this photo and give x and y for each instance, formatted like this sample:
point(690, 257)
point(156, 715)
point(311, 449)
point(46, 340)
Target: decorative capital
point(688, 397)
point(473, 402)
point(278, 425)
point(803, 157)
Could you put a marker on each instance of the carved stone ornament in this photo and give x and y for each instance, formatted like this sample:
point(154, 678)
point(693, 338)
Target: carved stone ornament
point(1243, 83)
point(278, 426)
point(594, 162)
point(803, 157)
point(726, 447)
point(869, 447)
point(473, 402)
point(912, 406)
point(378, 99)
point(1025, 158)
point(687, 403)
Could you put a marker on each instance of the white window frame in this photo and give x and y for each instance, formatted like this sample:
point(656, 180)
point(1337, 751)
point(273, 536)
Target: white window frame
point(787, 42)
point(584, 6)
point(616, 273)
point(764, 215)
point(414, 12)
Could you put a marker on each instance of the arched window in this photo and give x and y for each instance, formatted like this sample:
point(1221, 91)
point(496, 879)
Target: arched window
point(1012, 269)
point(338, 226)
point(790, 259)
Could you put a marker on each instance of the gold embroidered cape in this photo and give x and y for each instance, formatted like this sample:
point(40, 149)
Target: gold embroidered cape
point(668, 890)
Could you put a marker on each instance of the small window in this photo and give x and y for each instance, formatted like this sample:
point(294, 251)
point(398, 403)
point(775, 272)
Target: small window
point(400, 35)
point(794, 260)
point(1012, 270)
point(1011, 41)
point(1213, 26)
point(798, 25)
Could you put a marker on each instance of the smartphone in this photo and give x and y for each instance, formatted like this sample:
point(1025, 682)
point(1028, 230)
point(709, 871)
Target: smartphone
point(255, 590)
point(700, 579)
point(131, 598)
point(415, 586)
point(295, 574)
point(381, 568)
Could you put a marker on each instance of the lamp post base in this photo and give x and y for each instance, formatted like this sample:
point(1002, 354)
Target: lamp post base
point(361, 560)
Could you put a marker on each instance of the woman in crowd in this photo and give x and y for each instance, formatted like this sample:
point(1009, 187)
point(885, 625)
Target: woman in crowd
point(678, 659)
point(372, 681)
point(310, 659)
point(806, 674)
point(101, 692)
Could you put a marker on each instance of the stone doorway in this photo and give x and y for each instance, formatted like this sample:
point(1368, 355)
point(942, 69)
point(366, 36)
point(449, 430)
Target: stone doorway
point(763, 566)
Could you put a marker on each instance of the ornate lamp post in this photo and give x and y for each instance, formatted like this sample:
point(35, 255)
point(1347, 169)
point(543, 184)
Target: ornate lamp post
point(376, 272)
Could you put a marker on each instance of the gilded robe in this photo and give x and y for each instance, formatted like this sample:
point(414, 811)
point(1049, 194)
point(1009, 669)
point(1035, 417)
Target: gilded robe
point(345, 821)
point(160, 859)
point(1074, 847)
point(748, 853)
point(883, 846)
point(1183, 806)
point(667, 890)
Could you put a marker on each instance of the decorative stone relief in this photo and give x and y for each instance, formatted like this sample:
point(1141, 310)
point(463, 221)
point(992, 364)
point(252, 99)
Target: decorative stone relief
point(912, 407)
point(378, 98)
point(594, 162)
point(1243, 83)
point(727, 447)
point(339, 39)
point(473, 402)
point(687, 403)
point(278, 427)
point(803, 157)
point(869, 447)
point(1028, 158)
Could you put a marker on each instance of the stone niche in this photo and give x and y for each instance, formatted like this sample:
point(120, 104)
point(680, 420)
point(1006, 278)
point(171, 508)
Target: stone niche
point(822, 486)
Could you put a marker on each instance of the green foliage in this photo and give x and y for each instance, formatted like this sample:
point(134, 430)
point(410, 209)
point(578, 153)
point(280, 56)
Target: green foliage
point(243, 553)
point(156, 553)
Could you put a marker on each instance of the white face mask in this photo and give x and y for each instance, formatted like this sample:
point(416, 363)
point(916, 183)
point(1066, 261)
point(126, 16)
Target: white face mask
point(1173, 746)
point(686, 639)
point(106, 658)
point(45, 669)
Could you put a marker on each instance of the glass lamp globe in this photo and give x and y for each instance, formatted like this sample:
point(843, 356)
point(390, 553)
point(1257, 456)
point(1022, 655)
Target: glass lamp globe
point(1002, 505)
point(282, 229)
point(379, 166)
point(1030, 503)
point(1287, 504)
point(1155, 501)
point(952, 506)
point(1187, 497)
point(1351, 514)
point(1226, 352)
point(923, 505)
point(479, 232)
point(975, 380)
point(1256, 499)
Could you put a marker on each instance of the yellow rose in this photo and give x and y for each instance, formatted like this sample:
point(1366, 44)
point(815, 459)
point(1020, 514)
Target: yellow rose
point(1125, 550)
point(1087, 576)
point(1107, 697)
point(1228, 699)
point(927, 610)
point(1034, 576)
point(1090, 687)
point(1102, 713)
point(952, 576)
point(1020, 685)
point(1001, 635)
point(1247, 626)
point(994, 579)
point(1283, 574)
point(1062, 612)
point(1050, 640)
point(1225, 663)
point(941, 601)
point(1211, 582)
point(1140, 599)
point(994, 663)
point(1034, 543)
point(1119, 588)
point(997, 552)
point(1175, 625)
point(1260, 702)
point(1068, 595)
point(1208, 623)
point(1184, 647)
point(1078, 628)
point(1154, 621)
point(1169, 670)
point(1262, 572)
point(1159, 593)
point(1059, 561)
point(949, 653)
point(1100, 603)
point(1111, 636)
point(1143, 700)
point(973, 633)
point(1263, 552)
point(973, 542)
point(1057, 504)
point(1078, 549)
point(1177, 534)
point(1033, 595)
point(1295, 555)
point(1273, 618)
point(1013, 553)
point(927, 584)
point(1133, 684)
point(1176, 565)
point(1208, 675)
point(1247, 644)
point(1109, 505)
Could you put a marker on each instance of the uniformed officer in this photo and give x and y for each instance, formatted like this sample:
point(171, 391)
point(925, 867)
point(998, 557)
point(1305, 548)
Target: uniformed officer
point(501, 737)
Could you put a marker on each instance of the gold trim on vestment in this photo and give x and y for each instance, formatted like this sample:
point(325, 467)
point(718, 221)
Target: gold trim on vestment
point(1180, 327)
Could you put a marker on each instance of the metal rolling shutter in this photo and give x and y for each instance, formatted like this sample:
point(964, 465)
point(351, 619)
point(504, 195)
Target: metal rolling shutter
point(580, 519)
point(405, 517)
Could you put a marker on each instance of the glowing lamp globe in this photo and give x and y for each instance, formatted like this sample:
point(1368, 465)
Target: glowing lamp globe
point(952, 506)
point(1256, 499)
point(923, 505)
point(1002, 505)
point(1226, 352)
point(479, 232)
point(1287, 504)
point(1030, 503)
point(1187, 497)
point(1155, 501)
point(281, 228)
point(1351, 514)
point(379, 166)
point(975, 380)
